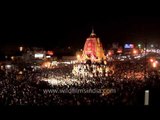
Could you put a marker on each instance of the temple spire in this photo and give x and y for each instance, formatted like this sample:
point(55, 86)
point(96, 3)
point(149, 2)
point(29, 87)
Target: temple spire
point(92, 30)
point(92, 33)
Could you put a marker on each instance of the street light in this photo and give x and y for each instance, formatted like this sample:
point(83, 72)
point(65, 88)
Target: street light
point(139, 45)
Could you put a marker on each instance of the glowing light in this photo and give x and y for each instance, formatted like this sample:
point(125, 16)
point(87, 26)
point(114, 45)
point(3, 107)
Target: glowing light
point(46, 65)
point(48, 56)
point(8, 66)
point(20, 48)
point(93, 47)
point(20, 72)
point(109, 53)
point(39, 55)
point(12, 57)
point(128, 46)
point(63, 81)
point(154, 64)
point(50, 52)
point(151, 60)
point(135, 51)
point(119, 51)
point(54, 63)
point(152, 45)
point(78, 57)
point(139, 45)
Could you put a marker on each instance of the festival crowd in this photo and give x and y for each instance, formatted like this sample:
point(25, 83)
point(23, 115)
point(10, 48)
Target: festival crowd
point(125, 81)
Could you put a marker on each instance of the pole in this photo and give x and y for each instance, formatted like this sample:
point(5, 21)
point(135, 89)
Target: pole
point(146, 97)
point(145, 67)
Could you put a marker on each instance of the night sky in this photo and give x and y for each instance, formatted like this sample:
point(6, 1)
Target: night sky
point(50, 29)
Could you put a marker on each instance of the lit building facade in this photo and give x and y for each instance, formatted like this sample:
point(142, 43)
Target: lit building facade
point(93, 49)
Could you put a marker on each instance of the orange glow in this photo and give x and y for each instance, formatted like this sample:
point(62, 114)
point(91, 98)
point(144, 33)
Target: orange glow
point(119, 51)
point(151, 60)
point(78, 56)
point(105, 62)
point(93, 48)
point(154, 64)
point(46, 65)
point(50, 52)
point(135, 51)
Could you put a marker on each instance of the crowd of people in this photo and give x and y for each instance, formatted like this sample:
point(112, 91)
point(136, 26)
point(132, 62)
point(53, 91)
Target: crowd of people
point(117, 70)
point(125, 80)
point(93, 70)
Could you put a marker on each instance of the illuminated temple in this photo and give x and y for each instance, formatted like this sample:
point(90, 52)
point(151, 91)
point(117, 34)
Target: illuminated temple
point(93, 49)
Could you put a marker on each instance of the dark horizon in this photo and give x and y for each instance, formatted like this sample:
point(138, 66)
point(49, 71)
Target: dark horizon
point(73, 30)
